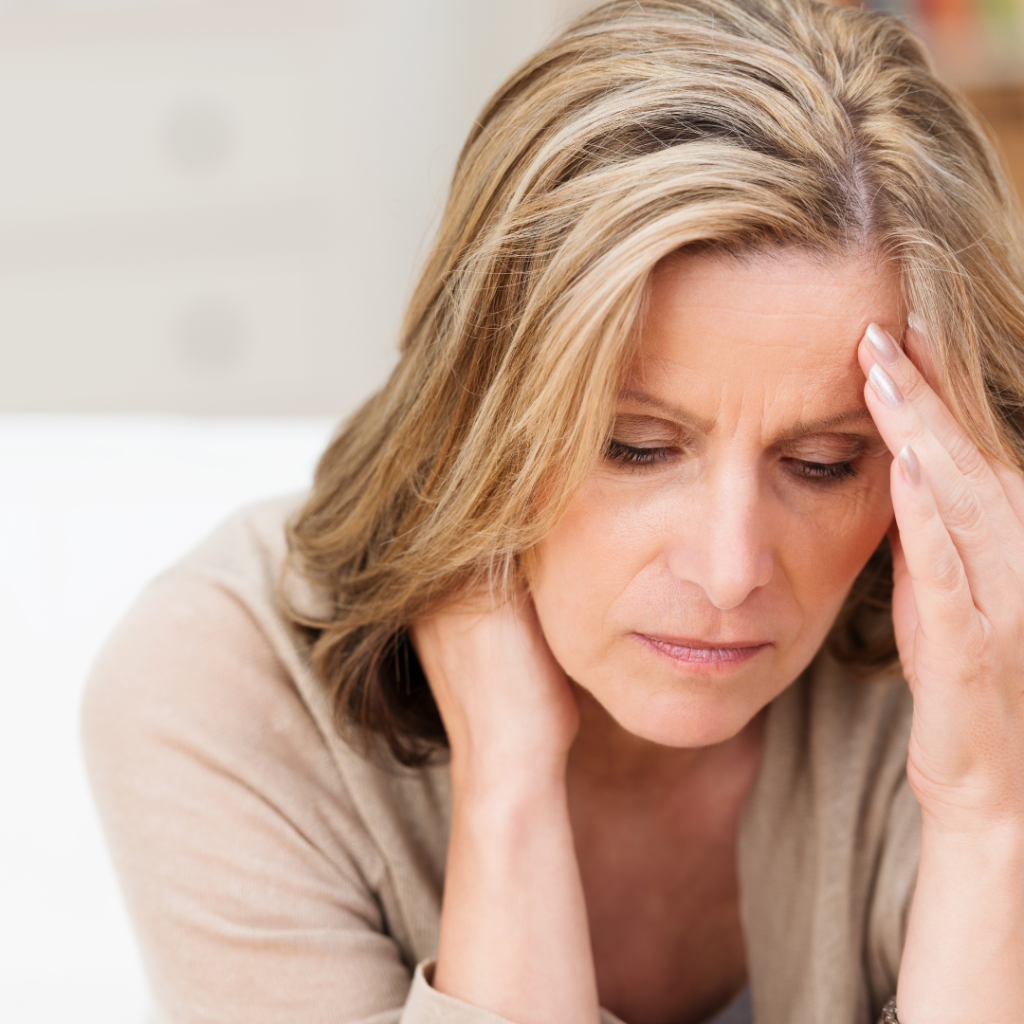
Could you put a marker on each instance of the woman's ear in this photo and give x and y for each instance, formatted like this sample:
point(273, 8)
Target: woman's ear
point(526, 568)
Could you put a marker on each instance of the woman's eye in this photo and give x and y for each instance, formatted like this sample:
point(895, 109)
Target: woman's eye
point(824, 472)
point(631, 455)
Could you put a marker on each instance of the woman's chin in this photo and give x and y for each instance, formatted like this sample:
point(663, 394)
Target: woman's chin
point(690, 695)
point(694, 697)
point(680, 719)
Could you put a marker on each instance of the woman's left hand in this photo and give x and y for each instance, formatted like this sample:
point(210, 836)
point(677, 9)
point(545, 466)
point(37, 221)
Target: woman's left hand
point(958, 602)
point(958, 611)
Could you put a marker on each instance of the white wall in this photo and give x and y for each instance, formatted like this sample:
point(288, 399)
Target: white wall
point(90, 509)
point(218, 206)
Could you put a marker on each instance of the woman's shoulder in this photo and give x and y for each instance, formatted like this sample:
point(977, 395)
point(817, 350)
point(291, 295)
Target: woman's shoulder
point(206, 639)
point(263, 858)
point(203, 702)
point(221, 606)
point(245, 556)
point(200, 680)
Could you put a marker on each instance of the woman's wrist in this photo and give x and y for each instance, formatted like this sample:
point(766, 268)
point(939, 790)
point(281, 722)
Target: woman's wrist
point(499, 820)
point(990, 823)
point(494, 782)
point(502, 809)
point(964, 955)
point(514, 934)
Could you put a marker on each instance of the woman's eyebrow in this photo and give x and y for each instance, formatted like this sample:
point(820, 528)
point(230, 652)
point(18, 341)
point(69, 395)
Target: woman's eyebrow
point(671, 411)
point(858, 414)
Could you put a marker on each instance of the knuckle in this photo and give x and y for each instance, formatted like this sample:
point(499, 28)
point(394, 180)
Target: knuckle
point(982, 663)
point(913, 385)
point(944, 578)
point(1011, 479)
point(963, 513)
point(967, 457)
point(976, 649)
point(947, 575)
point(1005, 621)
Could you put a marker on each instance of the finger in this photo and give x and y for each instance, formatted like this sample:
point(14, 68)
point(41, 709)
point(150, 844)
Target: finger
point(1013, 487)
point(904, 613)
point(942, 594)
point(972, 463)
point(919, 351)
point(962, 514)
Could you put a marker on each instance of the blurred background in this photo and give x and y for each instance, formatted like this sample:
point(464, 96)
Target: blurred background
point(211, 214)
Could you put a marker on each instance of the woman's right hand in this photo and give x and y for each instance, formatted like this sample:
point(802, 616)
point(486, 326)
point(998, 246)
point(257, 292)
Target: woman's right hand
point(505, 702)
point(514, 934)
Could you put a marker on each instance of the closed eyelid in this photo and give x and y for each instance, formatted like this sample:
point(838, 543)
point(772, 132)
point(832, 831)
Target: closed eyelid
point(825, 440)
point(676, 427)
point(630, 427)
point(679, 418)
point(831, 446)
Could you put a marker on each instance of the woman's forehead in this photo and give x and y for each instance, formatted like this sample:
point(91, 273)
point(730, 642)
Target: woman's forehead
point(785, 288)
point(712, 313)
point(772, 336)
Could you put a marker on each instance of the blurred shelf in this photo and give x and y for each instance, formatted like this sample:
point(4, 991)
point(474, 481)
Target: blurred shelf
point(1002, 106)
point(976, 43)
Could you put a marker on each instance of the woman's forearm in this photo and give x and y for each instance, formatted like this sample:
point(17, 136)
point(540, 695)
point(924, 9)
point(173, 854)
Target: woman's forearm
point(958, 617)
point(963, 962)
point(514, 934)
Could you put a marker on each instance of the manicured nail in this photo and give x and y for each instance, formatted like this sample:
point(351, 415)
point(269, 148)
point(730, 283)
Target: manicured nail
point(882, 345)
point(915, 323)
point(910, 466)
point(885, 387)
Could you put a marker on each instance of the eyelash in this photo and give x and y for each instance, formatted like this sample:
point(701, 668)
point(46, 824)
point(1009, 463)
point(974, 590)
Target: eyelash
point(821, 473)
point(627, 455)
point(825, 473)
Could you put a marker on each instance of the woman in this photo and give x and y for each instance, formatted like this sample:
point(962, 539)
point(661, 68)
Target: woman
point(621, 533)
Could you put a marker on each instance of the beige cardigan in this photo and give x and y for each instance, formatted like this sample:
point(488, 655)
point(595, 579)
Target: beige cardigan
point(274, 875)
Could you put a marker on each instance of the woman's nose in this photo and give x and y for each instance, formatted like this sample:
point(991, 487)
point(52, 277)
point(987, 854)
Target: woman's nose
point(722, 543)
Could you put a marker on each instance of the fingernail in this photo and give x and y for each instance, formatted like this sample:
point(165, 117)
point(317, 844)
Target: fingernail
point(883, 346)
point(915, 323)
point(910, 466)
point(885, 387)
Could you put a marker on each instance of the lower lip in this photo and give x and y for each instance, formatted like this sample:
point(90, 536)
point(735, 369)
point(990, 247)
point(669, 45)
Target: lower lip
point(704, 657)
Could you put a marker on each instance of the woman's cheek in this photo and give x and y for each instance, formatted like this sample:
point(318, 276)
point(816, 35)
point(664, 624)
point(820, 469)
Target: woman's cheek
point(828, 545)
point(583, 566)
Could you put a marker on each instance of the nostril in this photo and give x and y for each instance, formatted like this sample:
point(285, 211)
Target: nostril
point(733, 578)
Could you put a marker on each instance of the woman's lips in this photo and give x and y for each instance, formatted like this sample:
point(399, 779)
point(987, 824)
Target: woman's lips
point(702, 653)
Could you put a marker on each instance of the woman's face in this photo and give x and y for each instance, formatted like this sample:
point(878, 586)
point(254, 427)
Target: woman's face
point(743, 489)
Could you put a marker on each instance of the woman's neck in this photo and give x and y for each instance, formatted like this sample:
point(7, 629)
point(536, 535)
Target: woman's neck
point(606, 755)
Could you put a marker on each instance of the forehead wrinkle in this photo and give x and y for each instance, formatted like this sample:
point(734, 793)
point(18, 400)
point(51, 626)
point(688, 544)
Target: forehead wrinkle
point(828, 424)
point(806, 428)
point(782, 313)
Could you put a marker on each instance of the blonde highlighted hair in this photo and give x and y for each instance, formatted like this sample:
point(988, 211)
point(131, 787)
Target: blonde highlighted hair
point(645, 129)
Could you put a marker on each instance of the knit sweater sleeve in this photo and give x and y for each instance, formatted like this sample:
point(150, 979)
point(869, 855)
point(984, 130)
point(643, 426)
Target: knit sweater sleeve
point(256, 892)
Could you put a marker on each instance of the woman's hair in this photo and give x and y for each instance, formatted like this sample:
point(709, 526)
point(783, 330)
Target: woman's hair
point(647, 128)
